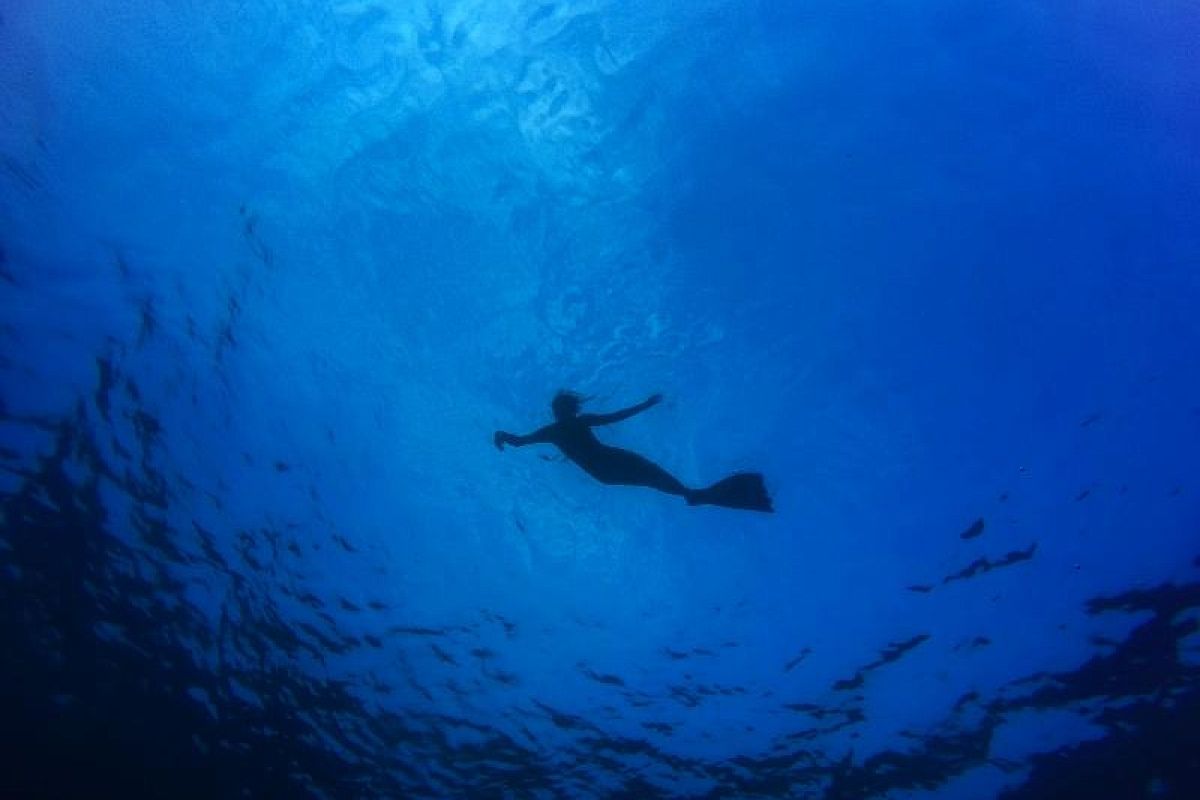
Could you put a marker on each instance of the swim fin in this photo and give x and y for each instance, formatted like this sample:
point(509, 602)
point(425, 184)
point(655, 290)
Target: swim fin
point(744, 490)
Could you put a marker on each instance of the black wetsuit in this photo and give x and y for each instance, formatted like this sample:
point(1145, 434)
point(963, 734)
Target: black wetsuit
point(572, 435)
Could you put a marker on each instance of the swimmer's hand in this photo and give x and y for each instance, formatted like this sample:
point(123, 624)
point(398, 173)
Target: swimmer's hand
point(500, 438)
point(653, 400)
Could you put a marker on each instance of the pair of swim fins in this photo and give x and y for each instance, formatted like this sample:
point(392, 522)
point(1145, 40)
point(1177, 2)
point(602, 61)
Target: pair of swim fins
point(744, 490)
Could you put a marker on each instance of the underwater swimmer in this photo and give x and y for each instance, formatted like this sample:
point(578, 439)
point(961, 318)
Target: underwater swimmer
point(571, 432)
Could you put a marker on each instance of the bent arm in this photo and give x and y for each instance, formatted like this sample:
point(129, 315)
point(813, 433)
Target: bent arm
point(617, 416)
point(543, 435)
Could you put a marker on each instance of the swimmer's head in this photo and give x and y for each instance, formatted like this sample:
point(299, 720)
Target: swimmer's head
point(566, 404)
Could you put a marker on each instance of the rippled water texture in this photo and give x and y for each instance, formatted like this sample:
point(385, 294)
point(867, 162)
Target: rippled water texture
point(272, 273)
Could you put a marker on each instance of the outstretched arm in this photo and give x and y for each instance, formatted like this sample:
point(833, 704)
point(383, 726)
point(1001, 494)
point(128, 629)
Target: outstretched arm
point(625, 413)
point(542, 435)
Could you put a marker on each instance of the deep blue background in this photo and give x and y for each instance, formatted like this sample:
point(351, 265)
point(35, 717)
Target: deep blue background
point(272, 273)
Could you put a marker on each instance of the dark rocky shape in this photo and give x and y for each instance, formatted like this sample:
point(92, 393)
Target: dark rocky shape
point(973, 530)
point(983, 565)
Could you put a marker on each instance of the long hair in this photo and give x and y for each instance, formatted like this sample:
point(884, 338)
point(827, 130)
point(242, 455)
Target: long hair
point(566, 404)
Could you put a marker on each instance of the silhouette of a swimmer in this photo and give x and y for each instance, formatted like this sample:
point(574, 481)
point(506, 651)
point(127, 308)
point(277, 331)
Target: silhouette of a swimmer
point(571, 432)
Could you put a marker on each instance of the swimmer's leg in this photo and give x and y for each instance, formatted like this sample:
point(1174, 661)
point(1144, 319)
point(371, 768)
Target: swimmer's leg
point(630, 469)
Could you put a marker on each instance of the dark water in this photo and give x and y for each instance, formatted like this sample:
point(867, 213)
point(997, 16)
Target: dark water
point(272, 274)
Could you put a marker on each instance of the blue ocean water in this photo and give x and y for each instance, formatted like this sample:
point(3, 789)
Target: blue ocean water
point(272, 273)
